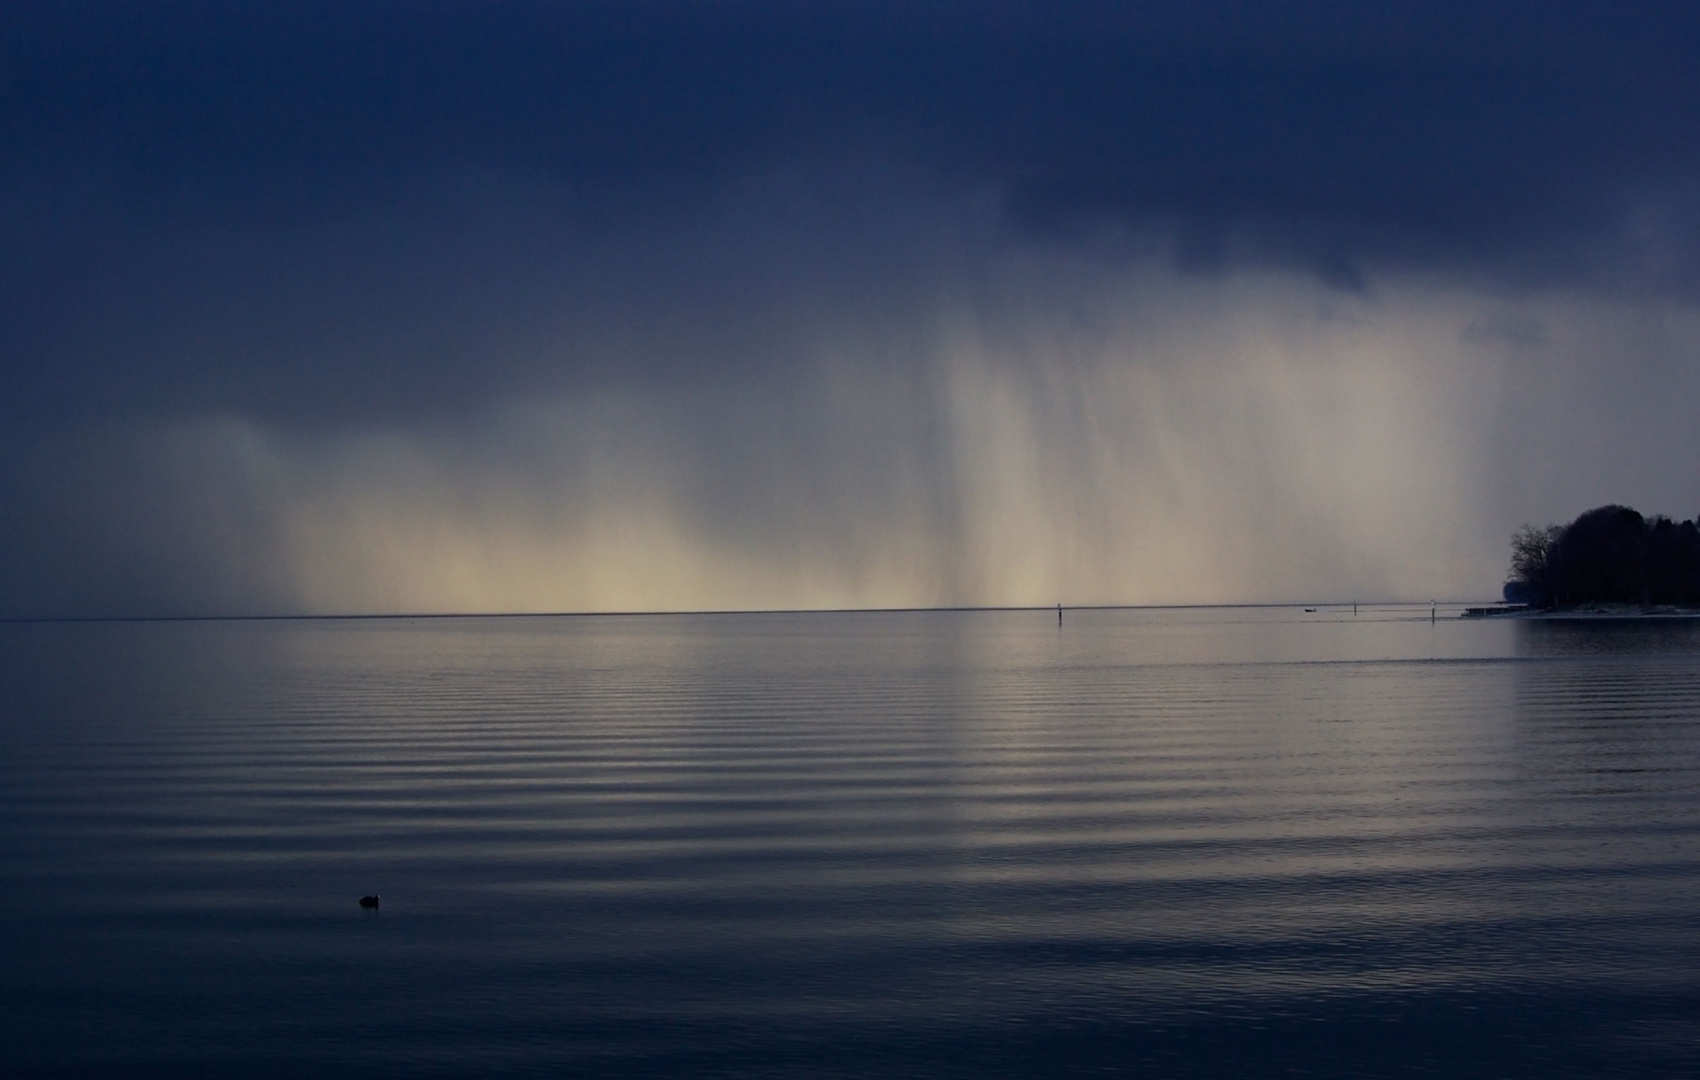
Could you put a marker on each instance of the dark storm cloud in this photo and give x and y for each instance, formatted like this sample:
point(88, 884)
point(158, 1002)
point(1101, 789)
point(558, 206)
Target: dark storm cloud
point(1434, 123)
point(506, 305)
point(184, 176)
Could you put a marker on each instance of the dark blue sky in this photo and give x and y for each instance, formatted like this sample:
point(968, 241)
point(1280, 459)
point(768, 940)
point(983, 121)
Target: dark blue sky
point(318, 217)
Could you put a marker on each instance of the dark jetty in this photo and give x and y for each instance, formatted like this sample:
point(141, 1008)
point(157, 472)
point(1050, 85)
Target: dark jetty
point(1496, 609)
point(369, 901)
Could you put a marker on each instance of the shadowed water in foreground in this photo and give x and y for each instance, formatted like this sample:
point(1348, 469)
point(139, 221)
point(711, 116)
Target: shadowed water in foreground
point(1229, 842)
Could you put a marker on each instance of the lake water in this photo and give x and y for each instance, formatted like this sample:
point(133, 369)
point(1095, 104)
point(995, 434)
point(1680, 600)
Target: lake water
point(1189, 843)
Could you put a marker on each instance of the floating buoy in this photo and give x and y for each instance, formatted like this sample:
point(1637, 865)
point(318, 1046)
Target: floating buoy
point(369, 901)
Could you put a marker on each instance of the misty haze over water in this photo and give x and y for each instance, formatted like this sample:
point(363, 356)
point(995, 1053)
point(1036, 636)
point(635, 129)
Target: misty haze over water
point(583, 305)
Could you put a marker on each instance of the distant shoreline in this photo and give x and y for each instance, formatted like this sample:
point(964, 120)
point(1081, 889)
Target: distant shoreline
point(1331, 606)
point(1586, 613)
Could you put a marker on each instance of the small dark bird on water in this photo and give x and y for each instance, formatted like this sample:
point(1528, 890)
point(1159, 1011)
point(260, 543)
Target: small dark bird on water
point(369, 901)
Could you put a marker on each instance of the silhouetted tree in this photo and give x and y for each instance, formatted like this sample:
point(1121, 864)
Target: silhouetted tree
point(1665, 584)
point(1609, 555)
point(1530, 583)
point(1688, 561)
point(1600, 558)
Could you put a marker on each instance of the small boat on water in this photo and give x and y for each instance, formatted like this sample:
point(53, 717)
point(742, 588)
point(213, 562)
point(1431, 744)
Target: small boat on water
point(369, 901)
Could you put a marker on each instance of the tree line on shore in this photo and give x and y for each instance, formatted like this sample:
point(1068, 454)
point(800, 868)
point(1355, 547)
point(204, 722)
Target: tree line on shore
point(1609, 555)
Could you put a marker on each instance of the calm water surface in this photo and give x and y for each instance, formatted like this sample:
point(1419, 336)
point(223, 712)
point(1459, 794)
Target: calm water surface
point(1231, 842)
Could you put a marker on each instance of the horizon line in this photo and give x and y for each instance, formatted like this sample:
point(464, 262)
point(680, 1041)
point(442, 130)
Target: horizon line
point(377, 615)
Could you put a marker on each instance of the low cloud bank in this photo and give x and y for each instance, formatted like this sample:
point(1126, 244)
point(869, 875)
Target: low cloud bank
point(1062, 428)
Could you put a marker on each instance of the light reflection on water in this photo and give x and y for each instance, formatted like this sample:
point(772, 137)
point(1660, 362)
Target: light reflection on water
point(1191, 842)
